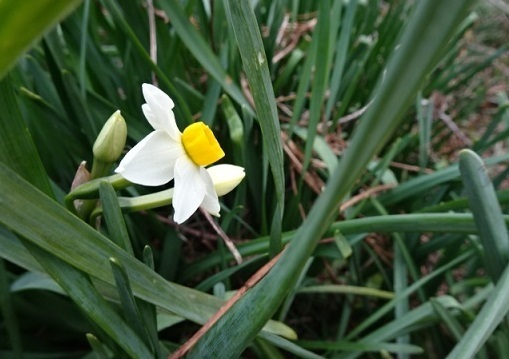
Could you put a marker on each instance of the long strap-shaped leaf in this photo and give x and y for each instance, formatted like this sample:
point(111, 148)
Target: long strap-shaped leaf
point(16, 146)
point(16, 36)
point(255, 65)
point(493, 312)
point(493, 234)
point(488, 215)
point(81, 290)
point(43, 222)
point(19, 152)
point(432, 26)
point(198, 47)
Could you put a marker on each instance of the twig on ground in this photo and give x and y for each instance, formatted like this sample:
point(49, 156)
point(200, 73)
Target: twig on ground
point(363, 195)
point(224, 236)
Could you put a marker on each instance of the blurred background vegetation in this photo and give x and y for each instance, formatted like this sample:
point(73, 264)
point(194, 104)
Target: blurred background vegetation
point(377, 285)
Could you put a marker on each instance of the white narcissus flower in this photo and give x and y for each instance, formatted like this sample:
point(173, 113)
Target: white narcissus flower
point(167, 154)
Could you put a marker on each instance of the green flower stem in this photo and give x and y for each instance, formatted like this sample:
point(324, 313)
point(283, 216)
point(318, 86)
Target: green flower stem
point(141, 203)
point(99, 170)
point(90, 190)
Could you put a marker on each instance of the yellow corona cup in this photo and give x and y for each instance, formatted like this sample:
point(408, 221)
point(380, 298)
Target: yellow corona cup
point(201, 145)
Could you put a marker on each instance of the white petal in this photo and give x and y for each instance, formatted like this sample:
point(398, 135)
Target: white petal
point(210, 202)
point(151, 162)
point(189, 189)
point(158, 111)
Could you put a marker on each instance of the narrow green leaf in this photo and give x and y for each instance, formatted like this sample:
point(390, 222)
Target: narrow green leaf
point(421, 314)
point(255, 65)
point(12, 250)
point(35, 280)
point(436, 223)
point(462, 203)
point(290, 346)
point(342, 243)
point(68, 235)
point(113, 217)
point(98, 348)
point(17, 149)
point(449, 320)
point(10, 321)
point(403, 295)
point(182, 106)
point(285, 306)
point(81, 290)
point(400, 280)
point(341, 56)
point(362, 346)
point(487, 213)
point(492, 313)
point(236, 128)
point(320, 78)
point(127, 301)
point(83, 48)
point(432, 26)
point(347, 289)
point(425, 119)
point(304, 83)
point(502, 115)
point(225, 274)
point(213, 90)
point(148, 311)
point(320, 146)
point(22, 22)
point(266, 350)
point(148, 257)
point(419, 185)
point(201, 50)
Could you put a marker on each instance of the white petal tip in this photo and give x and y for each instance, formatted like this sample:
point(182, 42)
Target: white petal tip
point(179, 220)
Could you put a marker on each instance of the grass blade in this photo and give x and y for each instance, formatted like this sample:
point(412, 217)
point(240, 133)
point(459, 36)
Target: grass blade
point(8, 313)
point(320, 79)
point(127, 300)
point(487, 213)
point(341, 55)
point(493, 312)
point(201, 50)
point(113, 217)
point(17, 149)
point(257, 71)
point(427, 35)
point(81, 290)
point(16, 36)
point(68, 236)
point(425, 118)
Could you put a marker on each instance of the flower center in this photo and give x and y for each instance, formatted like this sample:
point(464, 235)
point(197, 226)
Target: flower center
point(201, 144)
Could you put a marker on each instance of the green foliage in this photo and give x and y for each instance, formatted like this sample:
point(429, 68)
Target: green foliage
point(348, 118)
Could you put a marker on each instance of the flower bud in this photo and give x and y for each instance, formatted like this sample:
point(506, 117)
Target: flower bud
point(225, 177)
point(111, 140)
